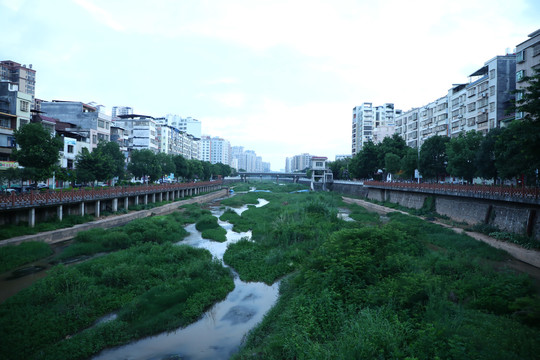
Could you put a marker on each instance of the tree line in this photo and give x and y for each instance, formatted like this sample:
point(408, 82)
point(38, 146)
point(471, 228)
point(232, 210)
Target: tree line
point(38, 153)
point(503, 153)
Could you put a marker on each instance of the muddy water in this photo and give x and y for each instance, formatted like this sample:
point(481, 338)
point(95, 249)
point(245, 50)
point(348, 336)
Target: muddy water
point(219, 333)
point(10, 284)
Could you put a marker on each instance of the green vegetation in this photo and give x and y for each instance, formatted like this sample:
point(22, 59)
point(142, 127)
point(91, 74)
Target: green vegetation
point(152, 288)
point(156, 229)
point(13, 256)
point(403, 289)
point(150, 283)
point(210, 229)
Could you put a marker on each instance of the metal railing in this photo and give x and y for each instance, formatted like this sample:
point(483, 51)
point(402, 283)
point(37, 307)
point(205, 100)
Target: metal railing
point(63, 196)
point(487, 191)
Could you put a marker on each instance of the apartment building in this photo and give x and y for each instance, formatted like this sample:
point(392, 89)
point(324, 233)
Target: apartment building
point(142, 131)
point(120, 110)
point(481, 104)
point(188, 124)
point(372, 123)
point(20, 75)
point(527, 59)
point(14, 112)
point(87, 118)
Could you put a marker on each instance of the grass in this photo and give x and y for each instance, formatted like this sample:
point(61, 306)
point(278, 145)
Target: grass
point(403, 289)
point(152, 285)
point(13, 256)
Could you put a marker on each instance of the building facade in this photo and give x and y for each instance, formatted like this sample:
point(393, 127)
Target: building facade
point(20, 75)
point(482, 104)
point(366, 118)
point(86, 118)
point(14, 113)
point(527, 60)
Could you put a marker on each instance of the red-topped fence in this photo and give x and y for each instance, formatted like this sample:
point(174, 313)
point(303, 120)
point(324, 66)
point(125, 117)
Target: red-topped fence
point(63, 196)
point(478, 191)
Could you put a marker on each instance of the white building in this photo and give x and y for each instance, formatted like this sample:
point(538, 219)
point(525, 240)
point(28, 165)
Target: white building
point(366, 118)
point(481, 105)
point(142, 132)
point(121, 110)
point(527, 59)
point(188, 125)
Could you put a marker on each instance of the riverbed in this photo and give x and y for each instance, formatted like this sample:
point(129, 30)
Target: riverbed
point(220, 331)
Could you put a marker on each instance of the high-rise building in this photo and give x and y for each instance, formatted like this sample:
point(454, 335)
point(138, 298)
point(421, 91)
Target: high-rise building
point(89, 119)
point(215, 150)
point(527, 59)
point(14, 112)
point(121, 110)
point(20, 75)
point(482, 104)
point(366, 118)
point(188, 125)
point(141, 130)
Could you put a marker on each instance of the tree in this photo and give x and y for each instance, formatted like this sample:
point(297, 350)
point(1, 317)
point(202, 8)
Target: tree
point(409, 162)
point(207, 170)
point(112, 160)
point(392, 163)
point(432, 160)
point(517, 150)
point(195, 169)
point(528, 101)
point(181, 166)
point(485, 157)
point(391, 145)
point(166, 164)
point(365, 163)
point(339, 168)
point(86, 166)
point(518, 147)
point(144, 163)
point(462, 152)
point(37, 149)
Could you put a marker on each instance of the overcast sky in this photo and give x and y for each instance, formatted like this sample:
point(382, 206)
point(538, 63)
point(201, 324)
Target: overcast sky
point(277, 77)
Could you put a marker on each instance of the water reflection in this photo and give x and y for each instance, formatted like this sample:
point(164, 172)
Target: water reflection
point(219, 333)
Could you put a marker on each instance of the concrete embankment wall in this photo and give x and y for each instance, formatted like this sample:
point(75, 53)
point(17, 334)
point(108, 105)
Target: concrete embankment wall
point(60, 235)
point(510, 217)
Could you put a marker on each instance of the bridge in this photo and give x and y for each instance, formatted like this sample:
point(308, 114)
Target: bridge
point(277, 175)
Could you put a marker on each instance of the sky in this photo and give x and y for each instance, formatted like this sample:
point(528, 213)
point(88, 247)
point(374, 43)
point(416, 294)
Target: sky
point(279, 77)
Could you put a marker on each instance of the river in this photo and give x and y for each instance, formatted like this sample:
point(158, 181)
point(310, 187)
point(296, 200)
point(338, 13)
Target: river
point(220, 331)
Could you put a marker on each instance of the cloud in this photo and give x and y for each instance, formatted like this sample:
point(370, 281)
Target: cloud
point(100, 14)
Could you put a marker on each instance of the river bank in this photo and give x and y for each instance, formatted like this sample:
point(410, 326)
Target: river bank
point(55, 236)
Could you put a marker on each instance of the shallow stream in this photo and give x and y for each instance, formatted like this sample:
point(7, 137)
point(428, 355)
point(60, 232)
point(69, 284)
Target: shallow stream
point(219, 333)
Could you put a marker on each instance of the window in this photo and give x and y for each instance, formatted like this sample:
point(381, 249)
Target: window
point(491, 107)
point(101, 123)
point(482, 118)
point(471, 121)
point(492, 91)
point(520, 75)
point(24, 106)
point(520, 56)
point(492, 74)
point(70, 149)
point(471, 107)
point(471, 91)
point(536, 49)
point(94, 138)
point(318, 164)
